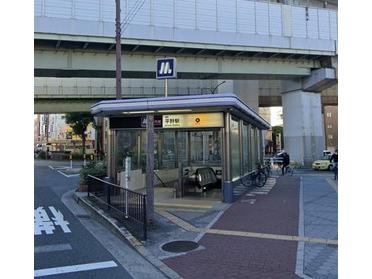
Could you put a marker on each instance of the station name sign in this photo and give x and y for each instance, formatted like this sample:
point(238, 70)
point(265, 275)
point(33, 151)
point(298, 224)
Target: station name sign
point(193, 120)
point(190, 120)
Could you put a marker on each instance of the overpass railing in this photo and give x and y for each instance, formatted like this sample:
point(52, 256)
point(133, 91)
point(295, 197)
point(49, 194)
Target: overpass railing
point(234, 16)
point(105, 92)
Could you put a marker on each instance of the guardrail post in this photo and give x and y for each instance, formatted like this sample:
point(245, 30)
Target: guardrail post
point(144, 218)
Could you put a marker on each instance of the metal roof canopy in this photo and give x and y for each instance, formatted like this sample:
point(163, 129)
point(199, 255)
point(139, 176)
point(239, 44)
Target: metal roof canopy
point(192, 103)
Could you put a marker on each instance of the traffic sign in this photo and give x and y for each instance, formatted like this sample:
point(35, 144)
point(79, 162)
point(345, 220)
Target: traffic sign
point(166, 68)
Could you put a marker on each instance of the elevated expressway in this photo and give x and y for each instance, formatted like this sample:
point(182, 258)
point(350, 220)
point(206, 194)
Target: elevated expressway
point(263, 50)
point(212, 40)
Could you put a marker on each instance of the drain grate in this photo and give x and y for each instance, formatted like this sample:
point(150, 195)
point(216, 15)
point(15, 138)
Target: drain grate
point(180, 246)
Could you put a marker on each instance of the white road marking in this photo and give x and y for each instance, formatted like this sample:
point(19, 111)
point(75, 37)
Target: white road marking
point(73, 268)
point(51, 167)
point(61, 168)
point(69, 175)
point(43, 223)
point(52, 248)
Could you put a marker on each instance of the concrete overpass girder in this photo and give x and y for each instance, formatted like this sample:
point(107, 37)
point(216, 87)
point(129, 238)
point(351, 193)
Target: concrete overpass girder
point(70, 63)
point(62, 105)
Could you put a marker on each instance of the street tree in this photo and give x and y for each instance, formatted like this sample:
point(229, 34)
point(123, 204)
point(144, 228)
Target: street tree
point(79, 122)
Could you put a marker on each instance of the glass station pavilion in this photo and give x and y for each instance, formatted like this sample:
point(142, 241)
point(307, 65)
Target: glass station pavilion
point(216, 131)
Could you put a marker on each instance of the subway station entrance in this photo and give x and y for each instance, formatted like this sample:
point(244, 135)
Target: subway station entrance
point(202, 145)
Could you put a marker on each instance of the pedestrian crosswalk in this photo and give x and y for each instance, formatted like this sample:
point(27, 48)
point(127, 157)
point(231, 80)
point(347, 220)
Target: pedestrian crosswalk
point(241, 189)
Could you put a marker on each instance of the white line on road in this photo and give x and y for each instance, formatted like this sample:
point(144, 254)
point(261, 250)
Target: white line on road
point(61, 168)
point(300, 257)
point(52, 248)
point(73, 268)
point(69, 175)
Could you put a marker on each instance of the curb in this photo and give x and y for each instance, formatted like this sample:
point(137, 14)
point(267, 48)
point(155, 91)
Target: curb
point(111, 223)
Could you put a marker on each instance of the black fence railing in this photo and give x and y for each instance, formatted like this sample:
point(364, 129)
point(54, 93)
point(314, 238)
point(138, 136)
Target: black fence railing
point(127, 206)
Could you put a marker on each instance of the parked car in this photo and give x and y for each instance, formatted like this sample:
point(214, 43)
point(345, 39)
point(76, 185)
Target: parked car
point(323, 164)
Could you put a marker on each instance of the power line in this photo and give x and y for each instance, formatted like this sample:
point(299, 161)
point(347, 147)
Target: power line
point(132, 13)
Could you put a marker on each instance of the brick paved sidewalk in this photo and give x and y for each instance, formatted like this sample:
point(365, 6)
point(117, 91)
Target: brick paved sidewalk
point(227, 256)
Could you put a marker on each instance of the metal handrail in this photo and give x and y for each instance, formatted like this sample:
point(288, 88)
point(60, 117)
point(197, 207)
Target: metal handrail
point(128, 204)
point(158, 177)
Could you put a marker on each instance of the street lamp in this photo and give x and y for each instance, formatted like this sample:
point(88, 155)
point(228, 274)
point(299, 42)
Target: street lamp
point(214, 89)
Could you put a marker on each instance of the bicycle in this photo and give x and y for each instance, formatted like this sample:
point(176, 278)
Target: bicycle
point(259, 177)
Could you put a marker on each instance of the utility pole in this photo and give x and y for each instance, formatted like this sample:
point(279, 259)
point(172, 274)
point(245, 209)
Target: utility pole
point(118, 50)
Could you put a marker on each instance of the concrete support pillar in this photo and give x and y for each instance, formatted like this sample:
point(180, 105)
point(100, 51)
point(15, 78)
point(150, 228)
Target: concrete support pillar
point(246, 90)
point(303, 126)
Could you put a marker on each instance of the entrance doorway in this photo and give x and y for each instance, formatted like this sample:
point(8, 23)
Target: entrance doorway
point(186, 162)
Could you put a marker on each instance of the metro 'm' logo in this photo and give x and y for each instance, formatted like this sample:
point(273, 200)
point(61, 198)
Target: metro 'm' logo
point(166, 68)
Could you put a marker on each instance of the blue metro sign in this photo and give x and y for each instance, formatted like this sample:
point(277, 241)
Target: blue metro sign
point(166, 68)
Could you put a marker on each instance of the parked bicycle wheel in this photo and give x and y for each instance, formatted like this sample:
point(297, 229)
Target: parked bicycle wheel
point(260, 179)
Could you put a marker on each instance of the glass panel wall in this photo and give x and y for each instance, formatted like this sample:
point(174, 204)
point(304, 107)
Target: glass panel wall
point(245, 149)
point(214, 147)
point(166, 150)
point(127, 144)
point(235, 148)
point(259, 144)
point(196, 147)
point(182, 147)
point(205, 148)
point(255, 145)
point(252, 147)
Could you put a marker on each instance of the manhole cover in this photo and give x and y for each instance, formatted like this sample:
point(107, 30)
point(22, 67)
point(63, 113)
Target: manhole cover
point(180, 246)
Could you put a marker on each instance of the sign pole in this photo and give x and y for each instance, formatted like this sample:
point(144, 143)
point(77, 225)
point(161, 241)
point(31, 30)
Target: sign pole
point(150, 167)
point(166, 87)
point(127, 181)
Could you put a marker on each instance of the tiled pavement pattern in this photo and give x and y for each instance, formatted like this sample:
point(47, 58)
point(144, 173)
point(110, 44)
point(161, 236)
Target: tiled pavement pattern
point(320, 220)
point(242, 189)
point(227, 256)
point(276, 213)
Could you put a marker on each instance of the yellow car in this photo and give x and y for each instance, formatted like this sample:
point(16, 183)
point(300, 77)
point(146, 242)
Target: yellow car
point(323, 164)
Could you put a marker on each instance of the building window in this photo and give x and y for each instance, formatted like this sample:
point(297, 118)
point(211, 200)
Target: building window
point(329, 126)
point(329, 114)
point(330, 136)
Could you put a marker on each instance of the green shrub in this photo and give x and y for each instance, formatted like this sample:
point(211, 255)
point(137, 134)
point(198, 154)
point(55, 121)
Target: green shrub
point(77, 156)
point(94, 168)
